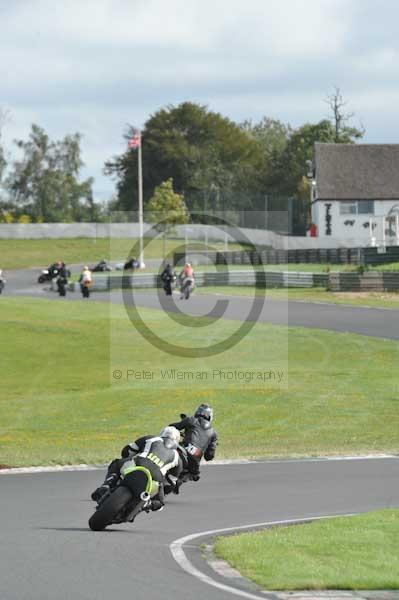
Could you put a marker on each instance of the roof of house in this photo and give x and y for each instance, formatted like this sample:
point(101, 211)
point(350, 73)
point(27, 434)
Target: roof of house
point(357, 171)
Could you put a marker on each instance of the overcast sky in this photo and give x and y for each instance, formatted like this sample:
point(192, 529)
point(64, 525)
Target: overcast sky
point(95, 65)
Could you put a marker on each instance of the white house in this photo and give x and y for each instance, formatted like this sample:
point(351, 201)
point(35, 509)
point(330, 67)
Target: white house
point(355, 192)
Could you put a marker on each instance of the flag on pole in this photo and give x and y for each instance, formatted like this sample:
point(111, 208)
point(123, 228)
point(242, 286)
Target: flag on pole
point(135, 141)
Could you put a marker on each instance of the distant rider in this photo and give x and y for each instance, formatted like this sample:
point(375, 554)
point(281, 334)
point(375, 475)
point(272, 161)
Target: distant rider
point(187, 281)
point(200, 440)
point(148, 451)
point(62, 278)
point(101, 266)
point(131, 263)
point(2, 281)
point(168, 276)
point(85, 281)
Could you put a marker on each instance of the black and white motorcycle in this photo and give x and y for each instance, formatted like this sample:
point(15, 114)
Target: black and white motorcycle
point(186, 287)
point(123, 503)
point(50, 273)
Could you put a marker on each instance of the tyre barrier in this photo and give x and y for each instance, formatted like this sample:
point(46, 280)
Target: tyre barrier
point(384, 281)
point(355, 256)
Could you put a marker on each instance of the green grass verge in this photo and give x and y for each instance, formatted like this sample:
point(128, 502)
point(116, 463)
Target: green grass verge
point(373, 299)
point(359, 552)
point(19, 254)
point(58, 406)
point(23, 253)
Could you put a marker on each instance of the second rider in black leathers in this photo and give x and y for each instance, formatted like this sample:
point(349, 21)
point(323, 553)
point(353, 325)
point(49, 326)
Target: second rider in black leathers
point(200, 440)
point(168, 277)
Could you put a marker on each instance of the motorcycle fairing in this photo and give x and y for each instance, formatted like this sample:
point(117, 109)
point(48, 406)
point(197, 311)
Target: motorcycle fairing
point(139, 479)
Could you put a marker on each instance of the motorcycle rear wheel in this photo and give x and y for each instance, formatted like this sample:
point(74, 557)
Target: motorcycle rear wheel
point(109, 510)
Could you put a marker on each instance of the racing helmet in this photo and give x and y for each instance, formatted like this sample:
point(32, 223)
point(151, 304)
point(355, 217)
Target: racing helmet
point(172, 434)
point(205, 411)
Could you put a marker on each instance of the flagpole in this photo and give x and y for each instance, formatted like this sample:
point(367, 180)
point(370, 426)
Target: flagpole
point(141, 228)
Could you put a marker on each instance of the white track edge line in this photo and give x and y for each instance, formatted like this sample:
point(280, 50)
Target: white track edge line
point(176, 549)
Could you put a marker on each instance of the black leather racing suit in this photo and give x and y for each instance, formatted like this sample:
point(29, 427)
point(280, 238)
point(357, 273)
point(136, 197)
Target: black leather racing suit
point(200, 440)
point(168, 276)
point(143, 451)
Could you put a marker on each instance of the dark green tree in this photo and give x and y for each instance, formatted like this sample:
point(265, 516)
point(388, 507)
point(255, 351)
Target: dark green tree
point(201, 150)
point(45, 182)
point(271, 134)
point(291, 165)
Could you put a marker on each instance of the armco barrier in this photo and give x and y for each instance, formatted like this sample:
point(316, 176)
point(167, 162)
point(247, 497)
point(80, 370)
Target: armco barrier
point(268, 279)
point(387, 281)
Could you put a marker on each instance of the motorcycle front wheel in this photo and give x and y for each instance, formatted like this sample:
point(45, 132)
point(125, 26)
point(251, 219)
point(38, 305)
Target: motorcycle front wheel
point(109, 510)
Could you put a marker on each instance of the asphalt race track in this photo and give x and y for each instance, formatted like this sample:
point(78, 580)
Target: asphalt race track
point(375, 322)
point(48, 552)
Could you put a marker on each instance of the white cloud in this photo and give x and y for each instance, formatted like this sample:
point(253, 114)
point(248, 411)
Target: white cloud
point(94, 66)
point(281, 25)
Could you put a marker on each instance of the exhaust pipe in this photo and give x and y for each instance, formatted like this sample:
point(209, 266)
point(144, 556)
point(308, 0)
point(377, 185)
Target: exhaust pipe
point(144, 496)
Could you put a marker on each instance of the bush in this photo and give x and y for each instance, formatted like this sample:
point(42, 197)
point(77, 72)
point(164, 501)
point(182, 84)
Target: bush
point(24, 219)
point(6, 217)
point(361, 269)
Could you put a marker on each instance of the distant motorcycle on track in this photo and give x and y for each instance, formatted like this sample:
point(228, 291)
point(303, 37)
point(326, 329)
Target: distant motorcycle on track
point(168, 277)
point(101, 267)
point(186, 288)
point(2, 281)
point(50, 273)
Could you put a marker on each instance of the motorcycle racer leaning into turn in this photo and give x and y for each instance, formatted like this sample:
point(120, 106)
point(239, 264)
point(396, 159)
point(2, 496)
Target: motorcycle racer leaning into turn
point(199, 440)
point(158, 454)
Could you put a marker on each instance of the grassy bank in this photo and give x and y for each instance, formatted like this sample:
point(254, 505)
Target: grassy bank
point(19, 254)
point(358, 552)
point(58, 404)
